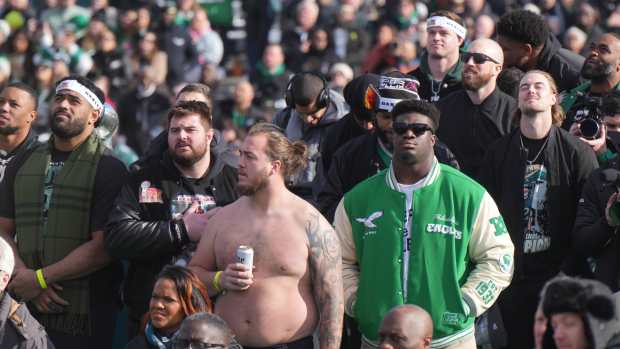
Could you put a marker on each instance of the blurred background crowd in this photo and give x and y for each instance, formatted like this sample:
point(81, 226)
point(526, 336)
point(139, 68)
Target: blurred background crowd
point(142, 52)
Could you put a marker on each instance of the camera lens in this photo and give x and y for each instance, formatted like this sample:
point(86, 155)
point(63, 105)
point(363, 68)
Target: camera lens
point(590, 128)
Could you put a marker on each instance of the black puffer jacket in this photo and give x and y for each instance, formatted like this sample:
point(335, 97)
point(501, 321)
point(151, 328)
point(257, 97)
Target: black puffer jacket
point(563, 65)
point(144, 233)
point(595, 238)
point(356, 161)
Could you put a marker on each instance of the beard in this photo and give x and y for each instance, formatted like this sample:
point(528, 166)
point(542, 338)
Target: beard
point(8, 130)
point(67, 129)
point(255, 185)
point(475, 81)
point(187, 160)
point(597, 71)
point(408, 158)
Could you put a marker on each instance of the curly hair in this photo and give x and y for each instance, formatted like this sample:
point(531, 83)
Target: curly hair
point(523, 26)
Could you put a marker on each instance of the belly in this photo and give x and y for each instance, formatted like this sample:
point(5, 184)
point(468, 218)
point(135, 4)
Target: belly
point(272, 311)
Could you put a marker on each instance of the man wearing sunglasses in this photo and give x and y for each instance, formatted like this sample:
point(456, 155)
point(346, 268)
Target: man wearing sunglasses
point(421, 233)
point(439, 72)
point(477, 115)
point(368, 154)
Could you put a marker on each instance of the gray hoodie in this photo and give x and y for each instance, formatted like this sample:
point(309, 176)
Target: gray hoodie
point(295, 129)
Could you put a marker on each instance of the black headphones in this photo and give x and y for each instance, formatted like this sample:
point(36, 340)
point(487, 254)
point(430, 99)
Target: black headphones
point(322, 99)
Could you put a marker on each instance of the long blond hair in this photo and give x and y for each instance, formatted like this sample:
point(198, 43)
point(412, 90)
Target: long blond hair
point(557, 113)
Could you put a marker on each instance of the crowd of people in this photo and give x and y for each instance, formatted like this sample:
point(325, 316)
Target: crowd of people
point(310, 173)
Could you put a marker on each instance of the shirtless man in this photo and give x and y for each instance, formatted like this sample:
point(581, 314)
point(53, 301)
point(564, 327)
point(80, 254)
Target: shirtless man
point(296, 283)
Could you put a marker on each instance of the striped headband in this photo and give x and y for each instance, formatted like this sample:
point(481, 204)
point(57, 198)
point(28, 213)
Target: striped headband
point(445, 22)
point(83, 91)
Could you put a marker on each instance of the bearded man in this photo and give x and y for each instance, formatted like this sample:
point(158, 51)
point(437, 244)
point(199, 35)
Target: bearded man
point(478, 115)
point(293, 289)
point(160, 210)
point(55, 200)
point(602, 69)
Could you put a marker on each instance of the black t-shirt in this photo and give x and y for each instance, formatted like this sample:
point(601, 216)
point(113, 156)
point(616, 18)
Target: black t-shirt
point(110, 177)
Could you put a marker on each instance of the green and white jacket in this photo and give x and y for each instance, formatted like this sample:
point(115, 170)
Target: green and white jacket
point(460, 258)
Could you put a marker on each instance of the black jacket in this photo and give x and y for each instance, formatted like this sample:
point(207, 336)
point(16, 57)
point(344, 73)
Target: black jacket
point(468, 129)
point(356, 161)
point(563, 65)
point(451, 82)
point(595, 238)
point(569, 162)
point(144, 233)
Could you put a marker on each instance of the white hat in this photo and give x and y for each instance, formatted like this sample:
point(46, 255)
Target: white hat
point(7, 261)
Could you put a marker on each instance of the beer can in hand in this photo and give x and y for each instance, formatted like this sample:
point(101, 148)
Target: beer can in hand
point(245, 256)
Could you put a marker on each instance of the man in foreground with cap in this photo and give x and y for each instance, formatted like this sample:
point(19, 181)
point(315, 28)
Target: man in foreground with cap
point(421, 233)
point(475, 116)
point(18, 329)
point(56, 205)
point(203, 330)
point(439, 72)
point(368, 154)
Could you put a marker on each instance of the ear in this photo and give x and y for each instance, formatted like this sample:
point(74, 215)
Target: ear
point(33, 115)
point(209, 135)
point(4, 280)
point(528, 48)
point(461, 41)
point(427, 342)
point(94, 116)
point(276, 167)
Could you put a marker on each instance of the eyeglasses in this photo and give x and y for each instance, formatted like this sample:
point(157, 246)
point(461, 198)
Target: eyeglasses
point(193, 344)
point(400, 128)
point(479, 58)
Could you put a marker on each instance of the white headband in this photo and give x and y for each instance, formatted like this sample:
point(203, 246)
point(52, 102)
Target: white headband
point(445, 22)
point(75, 86)
point(387, 104)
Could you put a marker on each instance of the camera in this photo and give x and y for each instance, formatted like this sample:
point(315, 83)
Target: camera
point(589, 117)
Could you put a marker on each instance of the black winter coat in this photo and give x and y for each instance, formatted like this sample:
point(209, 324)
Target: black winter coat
point(569, 162)
point(563, 65)
point(595, 238)
point(468, 129)
point(145, 234)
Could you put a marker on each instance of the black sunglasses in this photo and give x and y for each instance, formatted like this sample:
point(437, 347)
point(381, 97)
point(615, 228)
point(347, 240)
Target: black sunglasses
point(479, 58)
point(401, 128)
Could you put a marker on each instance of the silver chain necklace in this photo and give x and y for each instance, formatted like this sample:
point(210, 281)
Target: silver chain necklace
point(539, 152)
point(435, 96)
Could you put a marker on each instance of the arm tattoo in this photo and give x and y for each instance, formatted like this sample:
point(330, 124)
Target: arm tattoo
point(326, 271)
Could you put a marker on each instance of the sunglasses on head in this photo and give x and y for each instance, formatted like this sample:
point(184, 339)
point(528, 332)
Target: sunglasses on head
point(401, 128)
point(479, 58)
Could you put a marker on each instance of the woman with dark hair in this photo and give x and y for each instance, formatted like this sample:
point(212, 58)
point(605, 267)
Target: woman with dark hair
point(177, 294)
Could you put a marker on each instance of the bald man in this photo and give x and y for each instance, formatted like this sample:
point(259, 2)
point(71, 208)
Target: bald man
point(477, 115)
point(406, 326)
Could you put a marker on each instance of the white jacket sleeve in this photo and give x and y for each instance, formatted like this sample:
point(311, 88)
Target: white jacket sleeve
point(492, 251)
point(350, 268)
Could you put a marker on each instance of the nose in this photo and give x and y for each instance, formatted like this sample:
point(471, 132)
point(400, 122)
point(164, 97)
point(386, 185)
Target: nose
point(5, 106)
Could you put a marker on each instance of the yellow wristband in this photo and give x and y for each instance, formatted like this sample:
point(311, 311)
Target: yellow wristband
point(41, 279)
point(216, 281)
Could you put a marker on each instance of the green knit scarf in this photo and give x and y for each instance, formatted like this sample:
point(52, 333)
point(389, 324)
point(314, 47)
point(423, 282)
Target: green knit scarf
point(44, 242)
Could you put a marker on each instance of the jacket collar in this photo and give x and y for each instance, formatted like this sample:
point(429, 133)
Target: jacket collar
point(551, 48)
point(390, 177)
